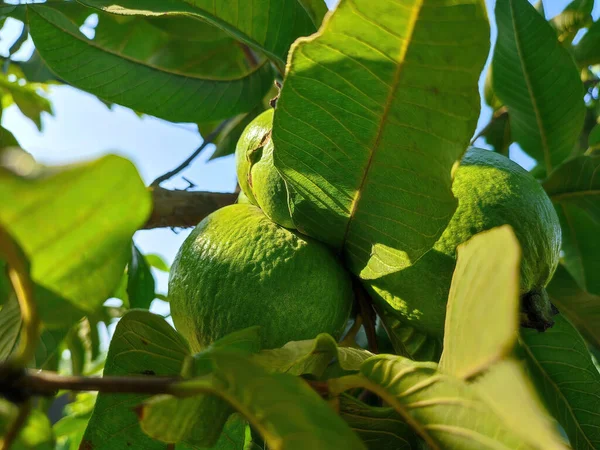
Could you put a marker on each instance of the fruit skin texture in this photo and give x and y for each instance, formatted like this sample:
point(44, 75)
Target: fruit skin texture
point(491, 191)
point(257, 175)
point(238, 269)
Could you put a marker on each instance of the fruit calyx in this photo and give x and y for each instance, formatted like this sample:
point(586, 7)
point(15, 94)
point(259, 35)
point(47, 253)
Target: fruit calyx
point(537, 311)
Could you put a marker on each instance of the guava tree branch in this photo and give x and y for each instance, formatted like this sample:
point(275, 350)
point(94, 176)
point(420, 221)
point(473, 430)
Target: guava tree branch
point(182, 209)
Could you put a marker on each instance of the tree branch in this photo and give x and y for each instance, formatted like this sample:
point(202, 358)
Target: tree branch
point(176, 208)
point(207, 140)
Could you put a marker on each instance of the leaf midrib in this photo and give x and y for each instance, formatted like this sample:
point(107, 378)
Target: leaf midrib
point(92, 44)
point(534, 104)
point(392, 91)
point(582, 193)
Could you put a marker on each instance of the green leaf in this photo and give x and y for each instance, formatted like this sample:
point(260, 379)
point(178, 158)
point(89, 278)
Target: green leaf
point(577, 15)
point(576, 183)
point(226, 141)
point(580, 245)
point(580, 307)
point(594, 138)
point(35, 435)
point(587, 51)
point(375, 109)
point(143, 344)
point(311, 357)
point(445, 411)
point(162, 86)
point(509, 391)
point(272, 31)
point(27, 99)
point(10, 327)
point(379, 428)
point(140, 281)
point(482, 318)
point(7, 139)
point(497, 133)
point(410, 342)
point(157, 262)
point(75, 223)
point(537, 80)
point(568, 380)
point(316, 10)
point(282, 408)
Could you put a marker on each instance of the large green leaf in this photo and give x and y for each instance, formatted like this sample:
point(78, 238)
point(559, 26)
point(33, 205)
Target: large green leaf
point(537, 80)
point(482, 318)
point(143, 344)
point(567, 378)
point(379, 428)
point(286, 412)
point(75, 223)
point(126, 69)
point(587, 51)
point(580, 245)
point(375, 109)
point(445, 411)
point(576, 182)
point(316, 9)
point(269, 26)
point(579, 306)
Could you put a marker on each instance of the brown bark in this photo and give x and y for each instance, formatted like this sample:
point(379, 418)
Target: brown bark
point(183, 209)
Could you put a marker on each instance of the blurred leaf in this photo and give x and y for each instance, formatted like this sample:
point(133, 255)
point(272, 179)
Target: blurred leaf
point(577, 15)
point(580, 245)
point(366, 133)
point(410, 342)
point(35, 69)
point(536, 78)
point(316, 10)
point(75, 223)
point(587, 50)
point(226, 141)
point(379, 428)
point(265, 32)
point(10, 327)
point(143, 344)
point(7, 139)
point(579, 306)
point(576, 182)
point(69, 430)
point(157, 262)
point(112, 66)
point(482, 319)
point(567, 378)
point(445, 411)
point(140, 281)
point(282, 408)
point(311, 357)
point(508, 390)
point(594, 138)
point(497, 133)
point(35, 435)
point(27, 99)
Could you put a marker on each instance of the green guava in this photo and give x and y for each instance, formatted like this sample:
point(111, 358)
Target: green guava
point(492, 191)
point(239, 269)
point(257, 175)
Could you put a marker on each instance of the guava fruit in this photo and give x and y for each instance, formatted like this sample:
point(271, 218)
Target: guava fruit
point(257, 175)
point(491, 190)
point(239, 269)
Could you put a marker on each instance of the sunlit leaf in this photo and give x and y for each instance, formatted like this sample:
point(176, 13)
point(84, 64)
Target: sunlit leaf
point(271, 31)
point(568, 380)
point(576, 15)
point(35, 435)
point(482, 319)
point(75, 223)
point(537, 80)
point(27, 99)
point(375, 109)
point(148, 83)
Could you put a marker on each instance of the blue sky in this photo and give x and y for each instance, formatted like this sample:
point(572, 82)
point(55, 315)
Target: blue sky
point(83, 128)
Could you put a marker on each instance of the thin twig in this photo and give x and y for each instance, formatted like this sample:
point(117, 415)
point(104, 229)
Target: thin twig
point(15, 428)
point(207, 140)
point(368, 315)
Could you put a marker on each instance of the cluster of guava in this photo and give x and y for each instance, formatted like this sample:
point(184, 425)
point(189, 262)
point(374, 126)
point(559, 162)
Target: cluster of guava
point(246, 264)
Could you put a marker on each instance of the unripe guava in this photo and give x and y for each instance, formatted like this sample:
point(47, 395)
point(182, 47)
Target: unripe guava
point(239, 269)
point(492, 191)
point(257, 175)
